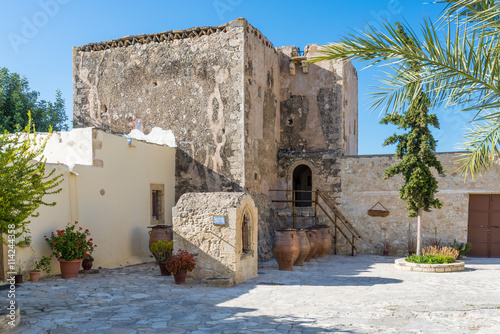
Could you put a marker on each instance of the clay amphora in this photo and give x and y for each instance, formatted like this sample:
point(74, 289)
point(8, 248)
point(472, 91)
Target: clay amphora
point(327, 239)
point(286, 248)
point(160, 232)
point(319, 241)
point(305, 247)
point(311, 236)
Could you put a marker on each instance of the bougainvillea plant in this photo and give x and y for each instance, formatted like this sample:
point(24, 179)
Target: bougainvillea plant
point(72, 243)
point(182, 261)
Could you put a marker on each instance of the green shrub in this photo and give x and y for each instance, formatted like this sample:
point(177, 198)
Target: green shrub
point(463, 248)
point(430, 259)
point(434, 255)
point(162, 250)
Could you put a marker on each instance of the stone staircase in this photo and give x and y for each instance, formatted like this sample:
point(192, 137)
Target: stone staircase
point(321, 211)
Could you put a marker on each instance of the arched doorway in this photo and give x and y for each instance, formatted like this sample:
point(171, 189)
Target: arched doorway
point(302, 180)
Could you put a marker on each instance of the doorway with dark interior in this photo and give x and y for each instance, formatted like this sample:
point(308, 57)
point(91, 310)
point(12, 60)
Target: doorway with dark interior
point(302, 185)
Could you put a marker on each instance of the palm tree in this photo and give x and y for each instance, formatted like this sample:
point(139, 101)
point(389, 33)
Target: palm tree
point(459, 66)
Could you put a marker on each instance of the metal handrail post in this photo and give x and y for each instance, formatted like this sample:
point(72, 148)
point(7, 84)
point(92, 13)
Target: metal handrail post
point(316, 208)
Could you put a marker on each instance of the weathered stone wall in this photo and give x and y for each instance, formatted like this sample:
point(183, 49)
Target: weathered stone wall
point(318, 118)
point(262, 115)
point(311, 103)
point(325, 167)
point(350, 109)
point(218, 249)
point(242, 120)
point(191, 85)
point(362, 187)
point(268, 224)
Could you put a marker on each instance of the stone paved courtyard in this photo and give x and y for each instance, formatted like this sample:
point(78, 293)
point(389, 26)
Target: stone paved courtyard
point(339, 294)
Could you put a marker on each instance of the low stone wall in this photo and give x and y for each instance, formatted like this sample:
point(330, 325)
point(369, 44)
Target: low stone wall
point(9, 321)
point(401, 264)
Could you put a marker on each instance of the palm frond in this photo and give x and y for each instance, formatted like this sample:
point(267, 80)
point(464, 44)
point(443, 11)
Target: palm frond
point(482, 147)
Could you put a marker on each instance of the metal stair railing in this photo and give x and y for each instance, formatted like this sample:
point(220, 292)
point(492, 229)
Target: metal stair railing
point(339, 221)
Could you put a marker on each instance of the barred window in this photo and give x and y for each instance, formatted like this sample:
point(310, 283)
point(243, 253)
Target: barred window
point(157, 203)
point(246, 235)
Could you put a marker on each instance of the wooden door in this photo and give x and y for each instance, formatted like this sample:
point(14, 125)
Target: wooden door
point(484, 225)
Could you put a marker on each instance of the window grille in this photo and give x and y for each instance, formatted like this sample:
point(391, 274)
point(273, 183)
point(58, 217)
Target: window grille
point(246, 233)
point(157, 204)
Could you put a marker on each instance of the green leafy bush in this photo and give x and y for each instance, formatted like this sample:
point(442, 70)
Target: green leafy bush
point(429, 259)
point(162, 250)
point(463, 248)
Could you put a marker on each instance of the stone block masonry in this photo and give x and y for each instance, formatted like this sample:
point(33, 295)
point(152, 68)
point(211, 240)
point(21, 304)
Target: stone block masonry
point(363, 186)
point(228, 96)
point(189, 84)
point(225, 248)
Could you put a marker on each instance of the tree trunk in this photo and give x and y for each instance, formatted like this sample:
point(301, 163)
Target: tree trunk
point(419, 232)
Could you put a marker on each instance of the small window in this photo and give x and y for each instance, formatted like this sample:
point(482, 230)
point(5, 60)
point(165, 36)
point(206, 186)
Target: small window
point(157, 203)
point(246, 234)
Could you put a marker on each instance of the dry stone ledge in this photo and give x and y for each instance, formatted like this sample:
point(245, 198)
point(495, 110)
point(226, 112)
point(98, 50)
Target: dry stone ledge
point(6, 318)
point(401, 264)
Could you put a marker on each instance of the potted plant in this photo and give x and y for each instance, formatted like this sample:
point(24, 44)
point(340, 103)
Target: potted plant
point(162, 250)
point(41, 265)
point(386, 243)
point(18, 276)
point(70, 246)
point(88, 262)
point(179, 264)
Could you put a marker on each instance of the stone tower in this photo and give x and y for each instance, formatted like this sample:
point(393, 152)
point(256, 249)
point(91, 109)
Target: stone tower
point(245, 115)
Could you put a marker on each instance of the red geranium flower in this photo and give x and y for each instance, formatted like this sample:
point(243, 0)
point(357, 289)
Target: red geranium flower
point(71, 243)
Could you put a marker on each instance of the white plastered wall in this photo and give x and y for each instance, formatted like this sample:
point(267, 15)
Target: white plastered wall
point(112, 201)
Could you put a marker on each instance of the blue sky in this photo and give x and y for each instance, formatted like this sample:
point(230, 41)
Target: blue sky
point(37, 36)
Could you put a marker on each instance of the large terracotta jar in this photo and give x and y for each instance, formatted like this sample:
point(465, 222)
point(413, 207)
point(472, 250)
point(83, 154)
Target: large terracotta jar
point(286, 248)
point(311, 236)
point(327, 239)
point(305, 247)
point(160, 232)
point(319, 241)
point(69, 269)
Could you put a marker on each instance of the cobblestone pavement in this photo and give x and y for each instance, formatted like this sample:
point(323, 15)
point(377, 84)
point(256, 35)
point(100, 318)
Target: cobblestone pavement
point(342, 294)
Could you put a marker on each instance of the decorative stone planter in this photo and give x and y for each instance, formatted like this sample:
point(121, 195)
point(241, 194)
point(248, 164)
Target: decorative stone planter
point(401, 264)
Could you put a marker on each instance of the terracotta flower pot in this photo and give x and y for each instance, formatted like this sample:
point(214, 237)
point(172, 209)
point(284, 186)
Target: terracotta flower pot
point(87, 264)
point(305, 247)
point(163, 270)
point(18, 279)
point(34, 276)
point(180, 277)
point(286, 248)
point(69, 269)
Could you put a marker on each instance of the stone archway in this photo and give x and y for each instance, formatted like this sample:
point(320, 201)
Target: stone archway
point(302, 181)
